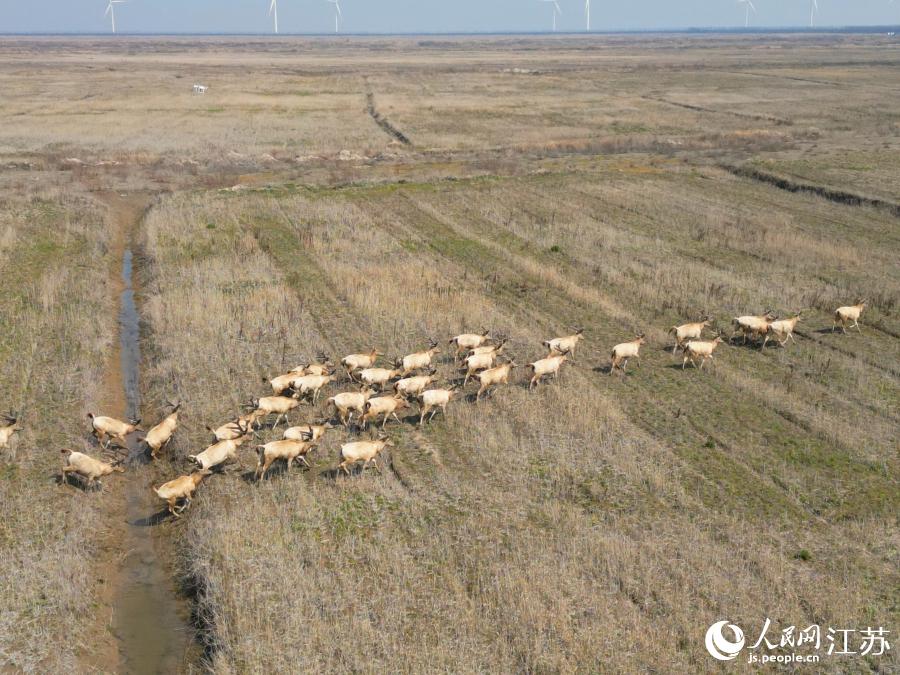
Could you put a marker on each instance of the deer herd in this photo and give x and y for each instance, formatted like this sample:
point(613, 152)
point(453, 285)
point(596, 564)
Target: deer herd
point(381, 393)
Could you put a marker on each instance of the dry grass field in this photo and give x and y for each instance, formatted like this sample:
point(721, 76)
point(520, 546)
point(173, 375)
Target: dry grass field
point(598, 524)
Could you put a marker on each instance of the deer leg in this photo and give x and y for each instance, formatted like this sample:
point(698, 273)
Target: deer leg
point(856, 323)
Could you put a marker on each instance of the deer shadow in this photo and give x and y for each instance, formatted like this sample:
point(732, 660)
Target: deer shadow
point(154, 519)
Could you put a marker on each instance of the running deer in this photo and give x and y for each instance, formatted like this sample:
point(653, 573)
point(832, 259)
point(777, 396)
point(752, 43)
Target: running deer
point(8, 427)
point(350, 402)
point(495, 349)
point(549, 365)
point(782, 330)
point(468, 341)
point(688, 331)
point(162, 433)
point(493, 377)
point(274, 405)
point(386, 406)
point(477, 362)
point(221, 452)
point(378, 376)
point(322, 366)
point(624, 351)
point(181, 488)
point(567, 344)
point(751, 326)
point(413, 386)
point(281, 383)
point(354, 362)
point(307, 432)
point(851, 313)
point(286, 449)
point(88, 468)
point(433, 400)
point(231, 430)
point(113, 429)
point(304, 385)
point(419, 360)
point(701, 350)
point(363, 451)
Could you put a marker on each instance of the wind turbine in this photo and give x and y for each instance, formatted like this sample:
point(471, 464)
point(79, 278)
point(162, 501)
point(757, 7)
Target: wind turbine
point(750, 5)
point(111, 12)
point(813, 8)
point(273, 12)
point(587, 15)
point(338, 15)
point(556, 10)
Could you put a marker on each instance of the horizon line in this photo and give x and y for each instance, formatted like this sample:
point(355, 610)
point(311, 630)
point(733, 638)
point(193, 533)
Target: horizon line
point(569, 33)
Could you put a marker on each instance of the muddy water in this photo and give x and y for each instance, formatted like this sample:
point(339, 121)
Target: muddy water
point(154, 635)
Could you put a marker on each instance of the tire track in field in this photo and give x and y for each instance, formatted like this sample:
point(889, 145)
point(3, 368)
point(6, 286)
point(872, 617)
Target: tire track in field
point(383, 122)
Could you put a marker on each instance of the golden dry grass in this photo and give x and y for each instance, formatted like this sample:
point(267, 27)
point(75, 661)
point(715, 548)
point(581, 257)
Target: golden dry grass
point(598, 525)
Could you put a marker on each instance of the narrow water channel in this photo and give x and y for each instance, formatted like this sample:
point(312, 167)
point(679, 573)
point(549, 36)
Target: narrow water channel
point(154, 636)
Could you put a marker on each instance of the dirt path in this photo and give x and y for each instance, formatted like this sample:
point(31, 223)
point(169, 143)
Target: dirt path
point(141, 610)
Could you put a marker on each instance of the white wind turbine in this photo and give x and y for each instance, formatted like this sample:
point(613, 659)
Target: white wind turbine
point(111, 12)
point(556, 10)
point(750, 5)
point(338, 15)
point(587, 14)
point(813, 9)
point(273, 12)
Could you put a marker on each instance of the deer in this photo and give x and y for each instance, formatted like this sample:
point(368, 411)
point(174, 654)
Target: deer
point(321, 367)
point(477, 362)
point(688, 331)
point(413, 386)
point(160, 435)
point(843, 315)
point(495, 349)
point(88, 468)
point(274, 405)
point(181, 488)
point(565, 344)
point(231, 430)
point(8, 427)
point(781, 330)
point(467, 341)
point(282, 383)
point(307, 432)
point(753, 326)
point(363, 451)
point(383, 405)
point(349, 402)
point(305, 385)
point(433, 400)
point(493, 377)
point(359, 361)
point(112, 428)
point(624, 351)
point(700, 349)
point(549, 365)
point(286, 449)
point(220, 452)
point(378, 376)
point(419, 360)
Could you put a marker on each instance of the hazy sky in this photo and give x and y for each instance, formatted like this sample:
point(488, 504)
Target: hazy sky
point(317, 16)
